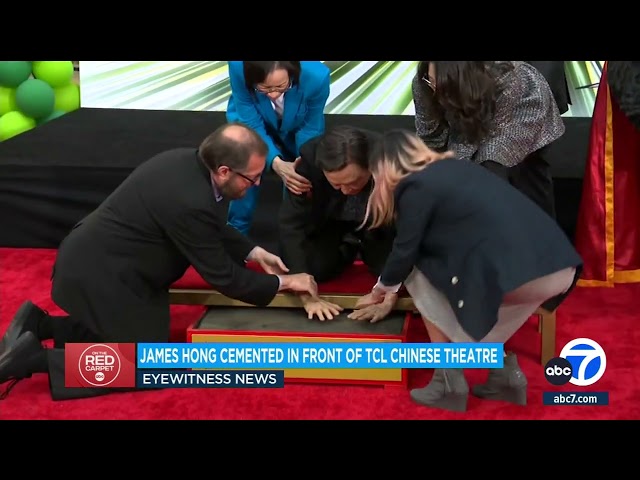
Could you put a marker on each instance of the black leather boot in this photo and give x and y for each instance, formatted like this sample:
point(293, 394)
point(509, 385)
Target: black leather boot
point(26, 319)
point(448, 390)
point(508, 383)
point(18, 360)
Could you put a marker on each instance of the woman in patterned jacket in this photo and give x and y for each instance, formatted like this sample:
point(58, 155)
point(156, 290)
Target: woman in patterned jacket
point(501, 115)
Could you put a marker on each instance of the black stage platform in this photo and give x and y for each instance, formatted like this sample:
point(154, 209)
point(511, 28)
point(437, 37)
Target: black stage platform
point(54, 175)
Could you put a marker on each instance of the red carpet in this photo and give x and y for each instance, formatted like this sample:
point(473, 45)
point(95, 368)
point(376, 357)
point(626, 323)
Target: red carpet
point(604, 315)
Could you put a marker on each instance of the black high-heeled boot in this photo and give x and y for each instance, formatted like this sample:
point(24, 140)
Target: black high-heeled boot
point(448, 389)
point(508, 384)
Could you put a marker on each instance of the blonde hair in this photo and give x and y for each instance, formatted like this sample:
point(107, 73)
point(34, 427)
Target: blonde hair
point(398, 153)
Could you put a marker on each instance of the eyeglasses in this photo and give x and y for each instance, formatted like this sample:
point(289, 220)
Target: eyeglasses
point(273, 89)
point(248, 179)
point(425, 79)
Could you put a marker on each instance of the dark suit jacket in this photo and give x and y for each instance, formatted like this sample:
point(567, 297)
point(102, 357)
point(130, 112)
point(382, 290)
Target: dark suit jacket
point(457, 219)
point(303, 215)
point(144, 236)
point(554, 72)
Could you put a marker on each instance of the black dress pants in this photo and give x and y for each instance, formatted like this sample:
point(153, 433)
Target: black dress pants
point(98, 315)
point(532, 177)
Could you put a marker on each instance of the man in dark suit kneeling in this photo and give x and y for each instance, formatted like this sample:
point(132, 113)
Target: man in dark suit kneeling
point(319, 229)
point(113, 271)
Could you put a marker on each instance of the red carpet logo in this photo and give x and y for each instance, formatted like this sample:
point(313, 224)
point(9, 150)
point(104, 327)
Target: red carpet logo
point(100, 365)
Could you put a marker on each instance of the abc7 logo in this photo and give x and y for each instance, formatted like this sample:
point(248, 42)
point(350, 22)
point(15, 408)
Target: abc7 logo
point(99, 365)
point(582, 362)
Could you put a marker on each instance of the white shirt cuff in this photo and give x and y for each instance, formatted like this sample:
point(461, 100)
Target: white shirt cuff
point(387, 289)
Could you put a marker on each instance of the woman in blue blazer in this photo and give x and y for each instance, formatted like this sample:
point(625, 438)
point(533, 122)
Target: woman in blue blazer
point(284, 102)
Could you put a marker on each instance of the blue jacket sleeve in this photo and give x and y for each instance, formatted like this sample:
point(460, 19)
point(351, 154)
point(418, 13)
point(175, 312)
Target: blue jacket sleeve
point(314, 123)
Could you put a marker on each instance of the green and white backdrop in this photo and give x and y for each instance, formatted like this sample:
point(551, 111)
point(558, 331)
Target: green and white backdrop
point(367, 88)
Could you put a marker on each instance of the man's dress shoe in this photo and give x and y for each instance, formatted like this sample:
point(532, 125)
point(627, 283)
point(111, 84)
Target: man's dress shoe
point(25, 320)
point(15, 361)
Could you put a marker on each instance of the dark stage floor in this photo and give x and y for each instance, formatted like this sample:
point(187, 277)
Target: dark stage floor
point(54, 175)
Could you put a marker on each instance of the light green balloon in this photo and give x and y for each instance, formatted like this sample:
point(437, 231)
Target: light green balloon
point(67, 98)
point(13, 74)
point(35, 98)
point(56, 74)
point(15, 123)
point(7, 100)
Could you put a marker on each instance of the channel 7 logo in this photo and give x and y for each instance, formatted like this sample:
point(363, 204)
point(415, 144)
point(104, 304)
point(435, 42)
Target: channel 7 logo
point(582, 362)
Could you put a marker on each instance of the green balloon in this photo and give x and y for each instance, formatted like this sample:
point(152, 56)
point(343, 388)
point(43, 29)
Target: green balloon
point(56, 74)
point(55, 114)
point(13, 74)
point(67, 98)
point(14, 123)
point(35, 98)
point(7, 100)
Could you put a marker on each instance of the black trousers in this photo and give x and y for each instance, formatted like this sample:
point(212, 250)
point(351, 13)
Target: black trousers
point(532, 177)
point(338, 244)
point(100, 315)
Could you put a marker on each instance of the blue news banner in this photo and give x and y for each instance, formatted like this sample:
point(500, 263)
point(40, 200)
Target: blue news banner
point(262, 365)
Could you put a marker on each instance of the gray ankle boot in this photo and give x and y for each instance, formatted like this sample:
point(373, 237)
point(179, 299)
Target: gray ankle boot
point(448, 390)
point(507, 383)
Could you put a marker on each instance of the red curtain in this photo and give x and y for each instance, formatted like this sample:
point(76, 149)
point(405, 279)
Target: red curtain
point(608, 229)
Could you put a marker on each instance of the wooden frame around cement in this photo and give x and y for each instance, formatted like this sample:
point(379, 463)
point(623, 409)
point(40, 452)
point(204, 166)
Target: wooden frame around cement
point(179, 296)
point(281, 300)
